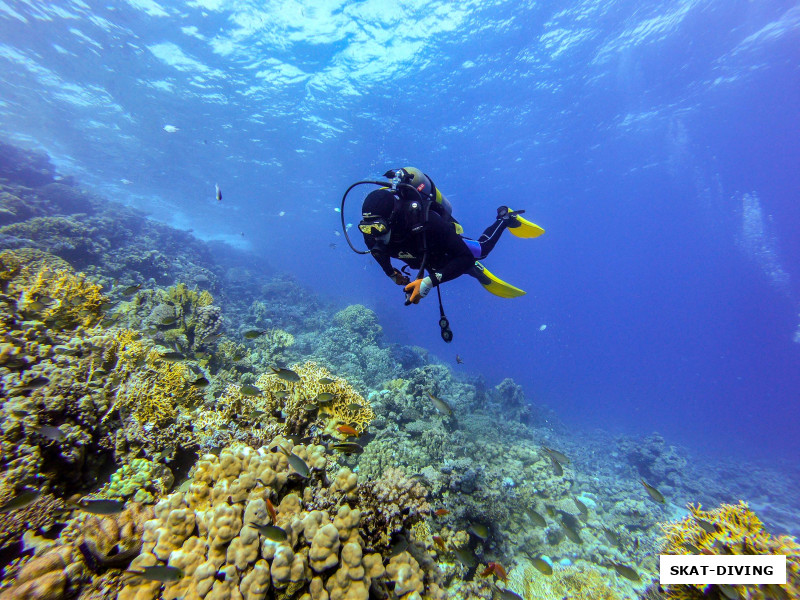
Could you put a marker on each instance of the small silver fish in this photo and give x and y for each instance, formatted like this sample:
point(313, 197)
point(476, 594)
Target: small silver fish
point(252, 334)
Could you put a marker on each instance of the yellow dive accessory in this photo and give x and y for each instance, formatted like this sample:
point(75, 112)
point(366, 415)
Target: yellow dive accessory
point(525, 229)
point(494, 284)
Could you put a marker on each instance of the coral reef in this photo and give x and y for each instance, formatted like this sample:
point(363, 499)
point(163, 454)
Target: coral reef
point(731, 529)
point(212, 532)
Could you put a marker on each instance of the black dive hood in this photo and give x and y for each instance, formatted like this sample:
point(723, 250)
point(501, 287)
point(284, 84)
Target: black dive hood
point(397, 185)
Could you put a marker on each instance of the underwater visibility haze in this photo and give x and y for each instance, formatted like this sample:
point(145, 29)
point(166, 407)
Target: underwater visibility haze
point(655, 142)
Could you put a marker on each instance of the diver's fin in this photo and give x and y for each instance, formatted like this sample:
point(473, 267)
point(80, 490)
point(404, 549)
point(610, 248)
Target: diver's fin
point(493, 284)
point(525, 229)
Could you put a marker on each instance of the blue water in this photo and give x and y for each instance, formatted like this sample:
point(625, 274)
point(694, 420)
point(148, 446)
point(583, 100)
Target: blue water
point(656, 142)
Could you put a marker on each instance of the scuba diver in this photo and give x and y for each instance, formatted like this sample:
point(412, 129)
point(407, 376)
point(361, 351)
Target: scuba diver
point(411, 220)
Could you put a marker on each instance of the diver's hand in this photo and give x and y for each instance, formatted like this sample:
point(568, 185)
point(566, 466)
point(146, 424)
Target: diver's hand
point(417, 290)
point(399, 278)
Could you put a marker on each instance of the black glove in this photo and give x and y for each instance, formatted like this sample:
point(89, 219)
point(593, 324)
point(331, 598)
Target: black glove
point(399, 278)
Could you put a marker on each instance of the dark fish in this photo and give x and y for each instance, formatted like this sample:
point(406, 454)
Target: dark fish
point(691, 548)
point(200, 382)
point(282, 394)
point(217, 193)
point(465, 557)
point(249, 390)
point(100, 506)
point(442, 406)
point(172, 356)
point(348, 448)
point(33, 384)
point(536, 518)
point(310, 407)
point(626, 571)
point(252, 334)
point(168, 321)
point(654, 494)
point(399, 545)
point(729, 591)
point(509, 595)
point(211, 337)
point(612, 537)
point(326, 381)
point(286, 374)
point(459, 360)
point(22, 500)
point(158, 573)
point(571, 532)
point(707, 526)
point(50, 432)
point(581, 506)
point(19, 413)
point(557, 468)
point(542, 565)
point(558, 456)
point(480, 531)
point(271, 532)
point(324, 398)
point(354, 406)
point(131, 290)
point(35, 306)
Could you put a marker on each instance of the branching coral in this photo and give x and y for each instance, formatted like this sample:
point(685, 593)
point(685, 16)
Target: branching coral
point(52, 294)
point(293, 399)
point(574, 582)
point(733, 530)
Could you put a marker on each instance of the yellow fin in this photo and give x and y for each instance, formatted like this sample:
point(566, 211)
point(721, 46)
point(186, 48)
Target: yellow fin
point(526, 229)
point(493, 284)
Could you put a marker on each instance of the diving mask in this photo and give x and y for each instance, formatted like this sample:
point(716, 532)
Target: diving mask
point(374, 227)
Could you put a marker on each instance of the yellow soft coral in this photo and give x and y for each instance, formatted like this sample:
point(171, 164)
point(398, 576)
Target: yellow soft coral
point(152, 387)
point(48, 289)
point(737, 530)
point(347, 407)
point(574, 582)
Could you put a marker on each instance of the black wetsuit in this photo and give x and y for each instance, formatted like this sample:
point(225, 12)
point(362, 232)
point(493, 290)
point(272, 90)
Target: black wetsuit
point(448, 255)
